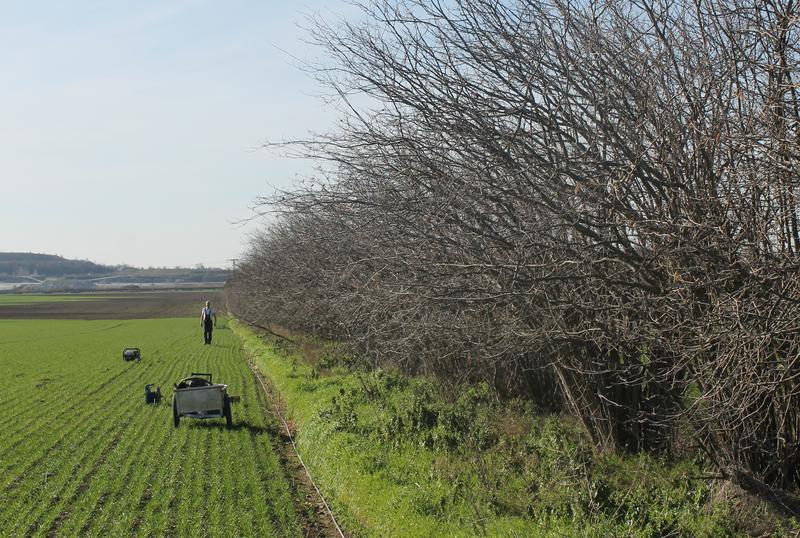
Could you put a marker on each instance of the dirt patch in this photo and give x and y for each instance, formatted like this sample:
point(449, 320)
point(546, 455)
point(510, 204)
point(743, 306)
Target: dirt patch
point(133, 305)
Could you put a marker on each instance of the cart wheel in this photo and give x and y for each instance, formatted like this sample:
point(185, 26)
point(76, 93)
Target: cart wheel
point(227, 410)
point(176, 418)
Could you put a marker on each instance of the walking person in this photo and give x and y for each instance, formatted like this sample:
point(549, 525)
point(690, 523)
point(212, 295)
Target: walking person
point(208, 320)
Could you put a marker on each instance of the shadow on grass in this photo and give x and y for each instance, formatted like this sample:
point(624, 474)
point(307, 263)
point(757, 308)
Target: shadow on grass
point(219, 346)
point(238, 425)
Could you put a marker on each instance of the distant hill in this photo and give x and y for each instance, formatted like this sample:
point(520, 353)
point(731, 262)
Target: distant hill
point(26, 264)
point(46, 272)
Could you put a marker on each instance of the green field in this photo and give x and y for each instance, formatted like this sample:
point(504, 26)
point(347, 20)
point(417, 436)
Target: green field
point(81, 453)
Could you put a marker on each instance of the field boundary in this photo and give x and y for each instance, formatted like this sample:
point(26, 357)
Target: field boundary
point(259, 377)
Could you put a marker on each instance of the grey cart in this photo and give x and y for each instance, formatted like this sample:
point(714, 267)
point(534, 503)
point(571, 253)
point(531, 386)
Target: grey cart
point(198, 397)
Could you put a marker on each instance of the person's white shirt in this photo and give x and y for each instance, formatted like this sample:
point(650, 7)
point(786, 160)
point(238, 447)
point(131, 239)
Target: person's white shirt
point(207, 313)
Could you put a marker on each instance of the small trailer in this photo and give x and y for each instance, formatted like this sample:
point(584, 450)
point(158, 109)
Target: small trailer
point(197, 397)
point(131, 354)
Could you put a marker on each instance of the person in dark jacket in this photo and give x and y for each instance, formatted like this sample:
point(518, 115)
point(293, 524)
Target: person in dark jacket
point(208, 320)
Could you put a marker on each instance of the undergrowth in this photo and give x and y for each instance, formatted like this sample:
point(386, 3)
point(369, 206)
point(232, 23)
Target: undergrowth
point(400, 457)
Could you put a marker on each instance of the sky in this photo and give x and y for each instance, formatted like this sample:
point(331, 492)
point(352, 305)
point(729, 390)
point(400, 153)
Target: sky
point(131, 131)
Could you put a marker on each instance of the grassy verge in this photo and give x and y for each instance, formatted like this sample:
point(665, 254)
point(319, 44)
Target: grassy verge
point(396, 458)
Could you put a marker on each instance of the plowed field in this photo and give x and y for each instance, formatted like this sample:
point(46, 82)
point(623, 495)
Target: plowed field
point(135, 305)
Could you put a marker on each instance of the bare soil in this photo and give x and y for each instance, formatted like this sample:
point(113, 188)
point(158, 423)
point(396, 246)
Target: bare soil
point(131, 305)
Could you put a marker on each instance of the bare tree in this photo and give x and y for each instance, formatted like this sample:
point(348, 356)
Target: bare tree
point(594, 204)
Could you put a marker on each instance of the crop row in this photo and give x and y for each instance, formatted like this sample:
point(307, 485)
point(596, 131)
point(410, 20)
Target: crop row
point(82, 454)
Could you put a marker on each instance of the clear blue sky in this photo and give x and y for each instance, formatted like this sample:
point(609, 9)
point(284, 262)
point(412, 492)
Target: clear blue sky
point(128, 129)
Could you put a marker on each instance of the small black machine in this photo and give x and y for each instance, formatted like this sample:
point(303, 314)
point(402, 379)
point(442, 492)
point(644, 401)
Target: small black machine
point(152, 396)
point(131, 354)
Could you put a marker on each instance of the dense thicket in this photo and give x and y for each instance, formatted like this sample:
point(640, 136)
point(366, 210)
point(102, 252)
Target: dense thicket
point(590, 203)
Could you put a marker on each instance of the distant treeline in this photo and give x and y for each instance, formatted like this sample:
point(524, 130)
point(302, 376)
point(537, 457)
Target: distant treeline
point(19, 264)
point(173, 275)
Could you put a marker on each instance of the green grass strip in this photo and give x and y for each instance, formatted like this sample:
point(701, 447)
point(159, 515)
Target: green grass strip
point(479, 469)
